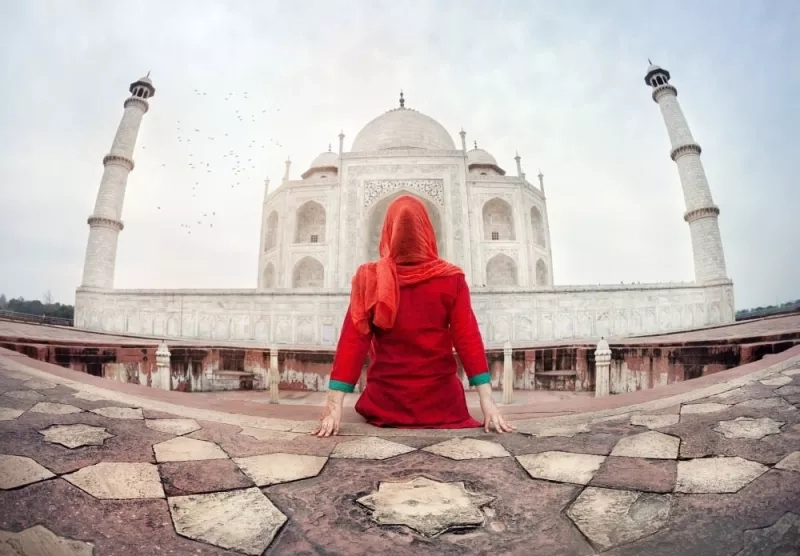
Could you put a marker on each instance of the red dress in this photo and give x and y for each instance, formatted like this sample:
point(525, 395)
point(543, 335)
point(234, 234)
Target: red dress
point(412, 377)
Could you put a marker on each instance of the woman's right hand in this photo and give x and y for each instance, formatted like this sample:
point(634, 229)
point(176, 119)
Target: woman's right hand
point(331, 416)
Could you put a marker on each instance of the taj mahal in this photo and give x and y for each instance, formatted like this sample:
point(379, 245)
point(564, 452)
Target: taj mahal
point(492, 222)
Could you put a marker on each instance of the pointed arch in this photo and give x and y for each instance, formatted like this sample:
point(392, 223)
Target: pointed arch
point(501, 270)
point(498, 220)
point(378, 213)
point(537, 223)
point(271, 238)
point(542, 275)
point(308, 273)
point(269, 276)
point(310, 226)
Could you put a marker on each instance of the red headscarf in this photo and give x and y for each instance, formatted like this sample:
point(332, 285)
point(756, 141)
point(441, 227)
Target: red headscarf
point(408, 256)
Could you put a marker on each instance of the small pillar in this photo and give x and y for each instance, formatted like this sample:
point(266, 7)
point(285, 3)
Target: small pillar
point(508, 375)
point(163, 366)
point(602, 366)
point(274, 376)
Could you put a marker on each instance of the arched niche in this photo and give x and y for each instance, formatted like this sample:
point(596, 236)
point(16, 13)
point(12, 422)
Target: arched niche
point(308, 273)
point(378, 214)
point(537, 223)
point(271, 238)
point(269, 276)
point(310, 226)
point(541, 273)
point(501, 270)
point(498, 220)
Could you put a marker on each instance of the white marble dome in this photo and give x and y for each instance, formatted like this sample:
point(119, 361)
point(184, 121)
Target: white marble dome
point(327, 161)
point(480, 156)
point(403, 128)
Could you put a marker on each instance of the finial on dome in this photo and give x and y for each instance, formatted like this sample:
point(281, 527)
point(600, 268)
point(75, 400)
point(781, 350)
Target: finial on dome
point(649, 61)
point(329, 147)
point(402, 100)
point(476, 144)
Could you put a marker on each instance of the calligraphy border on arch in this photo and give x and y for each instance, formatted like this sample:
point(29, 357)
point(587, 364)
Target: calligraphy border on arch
point(377, 189)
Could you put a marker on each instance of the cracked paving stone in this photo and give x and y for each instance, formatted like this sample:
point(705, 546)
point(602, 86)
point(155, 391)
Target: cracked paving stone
point(39, 385)
point(8, 414)
point(119, 412)
point(468, 448)
point(562, 467)
point(16, 471)
point(76, 436)
point(790, 462)
point(187, 449)
point(612, 517)
point(244, 520)
point(30, 395)
point(716, 475)
point(426, 506)
point(747, 427)
point(54, 408)
point(271, 469)
point(177, 427)
point(89, 397)
point(789, 390)
point(651, 444)
point(768, 403)
point(40, 541)
point(118, 481)
point(267, 434)
point(780, 538)
point(710, 407)
point(654, 421)
point(777, 381)
point(370, 447)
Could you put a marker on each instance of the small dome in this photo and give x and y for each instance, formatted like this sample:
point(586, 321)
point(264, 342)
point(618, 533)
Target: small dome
point(145, 79)
point(403, 128)
point(479, 158)
point(327, 161)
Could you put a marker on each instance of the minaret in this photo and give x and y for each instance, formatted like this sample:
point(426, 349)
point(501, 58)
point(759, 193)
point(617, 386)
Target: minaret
point(701, 212)
point(518, 160)
point(105, 223)
point(463, 135)
point(541, 181)
point(341, 142)
point(288, 169)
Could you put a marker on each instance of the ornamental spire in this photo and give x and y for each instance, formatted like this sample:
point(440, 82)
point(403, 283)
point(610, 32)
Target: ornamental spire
point(402, 100)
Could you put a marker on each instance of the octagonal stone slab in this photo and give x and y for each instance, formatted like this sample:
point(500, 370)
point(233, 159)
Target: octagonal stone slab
point(709, 407)
point(76, 436)
point(187, 449)
point(30, 395)
point(41, 541)
point(610, 517)
point(790, 462)
point(39, 385)
point(562, 467)
point(9, 414)
point(271, 469)
point(118, 481)
point(651, 444)
point(54, 408)
point(654, 421)
point(426, 506)
point(17, 471)
point(177, 427)
point(210, 518)
point(777, 381)
point(747, 427)
point(370, 447)
point(716, 475)
point(120, 412)
point(468, 448)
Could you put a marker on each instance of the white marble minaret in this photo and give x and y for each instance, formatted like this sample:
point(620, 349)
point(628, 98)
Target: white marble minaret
point(701, 212)
point(105, 223)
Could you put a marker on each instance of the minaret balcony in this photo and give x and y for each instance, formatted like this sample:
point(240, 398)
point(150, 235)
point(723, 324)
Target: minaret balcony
point(123, 161)
point(704, 212)
point(662, 90)
point(681, 150)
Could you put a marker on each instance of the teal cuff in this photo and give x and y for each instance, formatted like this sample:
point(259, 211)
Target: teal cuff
point(341, 386)
point(477, 380)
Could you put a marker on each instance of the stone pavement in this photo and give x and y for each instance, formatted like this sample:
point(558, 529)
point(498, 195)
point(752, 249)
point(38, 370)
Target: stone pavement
point(99, 470)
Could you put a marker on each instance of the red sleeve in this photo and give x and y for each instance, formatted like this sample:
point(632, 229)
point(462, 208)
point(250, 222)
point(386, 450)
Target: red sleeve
point(467, 336)
point(351, 351)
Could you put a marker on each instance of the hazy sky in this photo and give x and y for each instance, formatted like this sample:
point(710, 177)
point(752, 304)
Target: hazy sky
point(561, 82)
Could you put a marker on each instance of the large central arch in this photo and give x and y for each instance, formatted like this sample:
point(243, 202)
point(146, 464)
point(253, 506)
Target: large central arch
point(378, 213)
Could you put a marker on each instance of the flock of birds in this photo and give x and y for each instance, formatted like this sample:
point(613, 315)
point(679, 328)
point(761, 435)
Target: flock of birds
point(234, 167)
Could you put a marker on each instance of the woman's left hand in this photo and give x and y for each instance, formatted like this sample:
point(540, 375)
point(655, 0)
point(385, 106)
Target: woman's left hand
point(493, 418)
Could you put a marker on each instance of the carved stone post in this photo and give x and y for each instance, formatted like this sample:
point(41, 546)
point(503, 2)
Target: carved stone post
point(274, 376)
point(508, 375)
point(163, 366)
point(602, 366)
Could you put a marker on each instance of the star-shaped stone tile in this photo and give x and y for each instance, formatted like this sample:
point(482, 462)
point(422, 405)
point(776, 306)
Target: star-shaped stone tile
point(187, 449)
point(790, 462)
point(41, 541)
point(243, 520)
point(54, 408)
point(118, 481)
point(709, 407)
point(716, 475)
point(271, 469)
point(177, 427)
point(120, 412)
point(468, 448)
point(654, 421)
point(426, 506)
point(39, 385)
point(76, 436)
point(370, 447)
point(612, 517)
point(16, 471)
point(650, 444)
point(777, 381)
point(30, 395)
point(747, 427)
point(563, 467)
point(9, 414)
